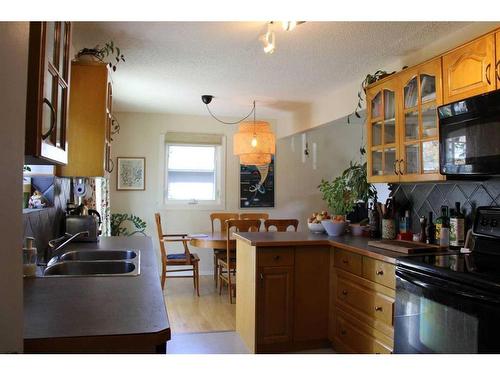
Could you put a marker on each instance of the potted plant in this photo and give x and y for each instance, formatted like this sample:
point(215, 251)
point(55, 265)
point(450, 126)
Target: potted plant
point(343, 193)
point(101, 54)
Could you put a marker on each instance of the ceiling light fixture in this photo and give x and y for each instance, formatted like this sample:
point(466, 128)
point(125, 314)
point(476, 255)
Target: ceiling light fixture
point(269, 40)
point(254, 142)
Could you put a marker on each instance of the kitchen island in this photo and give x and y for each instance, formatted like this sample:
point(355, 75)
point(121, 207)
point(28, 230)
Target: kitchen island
point(299, 290)
point(92, 314)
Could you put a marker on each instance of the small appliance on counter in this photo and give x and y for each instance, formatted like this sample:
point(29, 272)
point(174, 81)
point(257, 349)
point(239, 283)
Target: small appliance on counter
point(80, 219)
point(450, 303)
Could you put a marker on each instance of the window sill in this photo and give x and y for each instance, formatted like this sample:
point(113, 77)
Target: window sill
point(198, 206)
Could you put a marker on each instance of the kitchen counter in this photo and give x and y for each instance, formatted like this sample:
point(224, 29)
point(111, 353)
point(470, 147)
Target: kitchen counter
point(352, 243)
point(124, 314)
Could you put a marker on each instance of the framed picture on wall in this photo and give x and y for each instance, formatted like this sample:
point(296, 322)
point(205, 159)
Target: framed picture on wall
point(131, 173)
point(257, 185)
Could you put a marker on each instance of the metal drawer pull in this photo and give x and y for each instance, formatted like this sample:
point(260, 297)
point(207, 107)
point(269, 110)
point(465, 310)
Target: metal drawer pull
point(488, 68)
point(497, 69)
point(401, 172)
point(276, 257)
point(344, 292)
point(378, 308)
point(380, 272)
point(394, 166)
point(53, 119)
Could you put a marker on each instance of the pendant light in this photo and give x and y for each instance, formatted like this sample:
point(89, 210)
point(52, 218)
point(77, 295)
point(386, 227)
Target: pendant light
point(254, 142)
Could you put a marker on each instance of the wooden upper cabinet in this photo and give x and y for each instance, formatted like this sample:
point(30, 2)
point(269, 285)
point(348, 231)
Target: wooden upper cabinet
point(420, 90)
point(469, 70)
point(383, 131)
point(497, 65)
point(48, 93)
point(89, 131)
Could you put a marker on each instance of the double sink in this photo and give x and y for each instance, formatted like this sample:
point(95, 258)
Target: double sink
point(94, 263)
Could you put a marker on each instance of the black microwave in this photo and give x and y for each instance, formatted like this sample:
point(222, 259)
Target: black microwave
point(469, 136)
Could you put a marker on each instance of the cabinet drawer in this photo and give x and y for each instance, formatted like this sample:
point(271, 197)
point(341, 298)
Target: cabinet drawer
point(373, 304)
point(355, 338)
point(275, 257)
point(379, 272)
point(348, 261)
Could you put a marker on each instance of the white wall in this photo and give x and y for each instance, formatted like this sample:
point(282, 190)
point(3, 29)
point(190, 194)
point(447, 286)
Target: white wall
point(13, 78)
point(341, 101)
point(296, 182)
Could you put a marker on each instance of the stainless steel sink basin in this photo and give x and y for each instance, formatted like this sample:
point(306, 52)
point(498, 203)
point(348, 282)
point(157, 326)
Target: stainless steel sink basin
point(98, 255)
point(92, 268)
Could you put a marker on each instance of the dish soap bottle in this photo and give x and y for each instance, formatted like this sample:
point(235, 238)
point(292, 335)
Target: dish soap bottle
point(29, 258)
point(457, 228)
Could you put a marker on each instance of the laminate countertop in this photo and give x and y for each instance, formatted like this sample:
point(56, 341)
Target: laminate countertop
point(352, 243)
point(98, 314)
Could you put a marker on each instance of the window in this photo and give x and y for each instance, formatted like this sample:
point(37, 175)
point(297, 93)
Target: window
point(193, 174)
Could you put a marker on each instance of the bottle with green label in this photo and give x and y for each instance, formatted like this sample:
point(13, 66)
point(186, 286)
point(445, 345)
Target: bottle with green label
point(457, 228)
point(441, 221)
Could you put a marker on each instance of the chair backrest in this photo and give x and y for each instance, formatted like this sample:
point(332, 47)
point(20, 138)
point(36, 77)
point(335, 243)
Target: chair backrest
point(239, 225)
point(160, 235)
point(222, 217)
point(281, 225)
point(254, 216)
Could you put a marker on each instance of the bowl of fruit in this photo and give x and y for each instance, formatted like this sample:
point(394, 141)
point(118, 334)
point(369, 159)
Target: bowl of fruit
point(314, 222)
point(335, 226)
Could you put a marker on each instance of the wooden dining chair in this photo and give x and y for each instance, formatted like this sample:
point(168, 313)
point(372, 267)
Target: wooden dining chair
point(221, 218)
point(182, 259)
point(254, 216)
point(281, 225)
point(227, 266)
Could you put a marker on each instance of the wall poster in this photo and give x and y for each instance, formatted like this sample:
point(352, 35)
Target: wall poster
point(257, 185)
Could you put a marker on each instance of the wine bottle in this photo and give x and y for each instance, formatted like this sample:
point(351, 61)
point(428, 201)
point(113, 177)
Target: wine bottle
point(457, 228)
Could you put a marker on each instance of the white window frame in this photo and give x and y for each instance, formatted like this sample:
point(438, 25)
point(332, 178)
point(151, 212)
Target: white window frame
point(220, 169)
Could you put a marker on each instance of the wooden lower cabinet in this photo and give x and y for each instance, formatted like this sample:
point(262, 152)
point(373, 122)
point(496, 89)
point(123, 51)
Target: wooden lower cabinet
point(275, 305)
point(362, 304)
point(292, 294)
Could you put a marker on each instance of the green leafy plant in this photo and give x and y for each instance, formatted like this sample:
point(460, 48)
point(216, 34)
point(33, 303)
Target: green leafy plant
point(369, 79)
point(117, 220)
point(342, 193)
point(109, 51)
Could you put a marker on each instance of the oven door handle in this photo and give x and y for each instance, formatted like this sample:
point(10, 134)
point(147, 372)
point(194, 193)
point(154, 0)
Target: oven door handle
point(446, 287)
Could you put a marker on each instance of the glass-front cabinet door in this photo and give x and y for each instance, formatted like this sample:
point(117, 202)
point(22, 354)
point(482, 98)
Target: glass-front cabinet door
point(420, 88)
point(383, 132)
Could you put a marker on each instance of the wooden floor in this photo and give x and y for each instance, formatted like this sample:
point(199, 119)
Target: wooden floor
point(207, 313)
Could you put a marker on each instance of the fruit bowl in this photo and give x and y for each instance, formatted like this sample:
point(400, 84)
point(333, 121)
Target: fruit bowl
point(316, 227)
point(334, 229)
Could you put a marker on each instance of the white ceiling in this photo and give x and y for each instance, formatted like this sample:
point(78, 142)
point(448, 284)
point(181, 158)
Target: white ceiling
point(169, 65)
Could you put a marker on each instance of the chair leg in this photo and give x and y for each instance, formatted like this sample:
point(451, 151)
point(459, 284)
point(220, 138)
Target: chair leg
point(194, 275)
point(220, 280)
point(163, 276)
point(230, 286)
point(216, 269)
point(197, 279)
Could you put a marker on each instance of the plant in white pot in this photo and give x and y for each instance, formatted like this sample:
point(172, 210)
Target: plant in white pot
point(343, 193)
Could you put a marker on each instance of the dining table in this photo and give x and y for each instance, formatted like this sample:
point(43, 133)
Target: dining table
point(211, 240)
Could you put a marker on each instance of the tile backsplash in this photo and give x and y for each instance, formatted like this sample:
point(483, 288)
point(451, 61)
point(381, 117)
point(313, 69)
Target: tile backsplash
point(426, 197)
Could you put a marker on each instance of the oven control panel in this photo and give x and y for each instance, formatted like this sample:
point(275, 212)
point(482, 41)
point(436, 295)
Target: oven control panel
point(487, 221)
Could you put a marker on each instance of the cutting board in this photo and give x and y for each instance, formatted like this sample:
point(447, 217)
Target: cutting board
point(405, 247)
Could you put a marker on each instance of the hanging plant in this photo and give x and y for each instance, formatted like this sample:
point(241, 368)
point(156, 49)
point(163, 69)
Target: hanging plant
point(369, 79)
point(108, 52)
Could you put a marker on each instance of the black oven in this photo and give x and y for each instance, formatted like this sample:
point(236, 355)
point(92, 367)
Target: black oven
point(469, 133)
point(435, 315)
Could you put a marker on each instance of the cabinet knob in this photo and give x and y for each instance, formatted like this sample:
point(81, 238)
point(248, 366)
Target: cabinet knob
point(345, 261)
point(380, 272)
point(344, 292)
point(379, 308)
point(276, 257)
point(261, 276)
point(343, 332)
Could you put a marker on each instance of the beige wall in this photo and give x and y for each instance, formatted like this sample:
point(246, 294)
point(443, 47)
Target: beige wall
point(13, 78)
point(296, 182)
